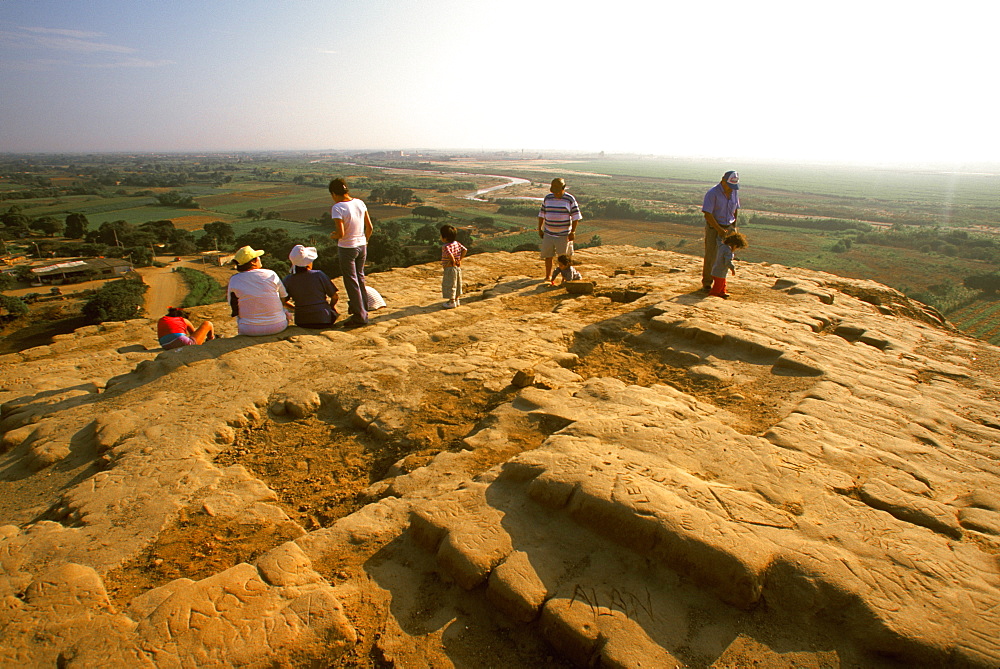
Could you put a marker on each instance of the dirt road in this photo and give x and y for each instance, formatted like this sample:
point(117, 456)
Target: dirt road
point(166, 289)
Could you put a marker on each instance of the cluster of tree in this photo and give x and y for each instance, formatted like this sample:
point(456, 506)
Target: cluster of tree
point(175, 199)
point(425, 211)
point(391, 245)
point(315, 180)
point(118, 300)
point(259, 214)
point(30, 194)
point(517, 208)
point(141, 179)
point(986, 282)
point(621, 209)
point(947, 241)
point(219, 236)
point(26, 178)
point(139, 241)
point(843, 245)
point(17, 226)
point(604, 208)
point(390, 194)
point(12, 307)
point(829, 224)
point(617, 208)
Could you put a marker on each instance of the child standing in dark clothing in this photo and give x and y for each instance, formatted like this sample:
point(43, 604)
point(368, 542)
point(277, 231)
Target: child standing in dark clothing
point(452, 253)
point(724, 262)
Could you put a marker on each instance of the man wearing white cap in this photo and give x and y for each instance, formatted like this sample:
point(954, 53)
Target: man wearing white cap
point(721, 206)
point(311, 290)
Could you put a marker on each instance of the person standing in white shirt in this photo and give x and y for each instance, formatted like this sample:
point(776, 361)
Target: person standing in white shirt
point(353, 228)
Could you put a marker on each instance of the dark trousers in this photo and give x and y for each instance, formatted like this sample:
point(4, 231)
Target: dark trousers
point(352, 269)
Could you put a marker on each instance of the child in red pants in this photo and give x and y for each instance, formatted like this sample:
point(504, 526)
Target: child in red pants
point(724, 261)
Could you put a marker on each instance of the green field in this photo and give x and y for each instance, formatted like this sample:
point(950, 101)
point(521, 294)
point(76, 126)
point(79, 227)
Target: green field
point(980, 319)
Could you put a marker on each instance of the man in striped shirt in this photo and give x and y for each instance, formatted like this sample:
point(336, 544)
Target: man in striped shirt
point(557, 221)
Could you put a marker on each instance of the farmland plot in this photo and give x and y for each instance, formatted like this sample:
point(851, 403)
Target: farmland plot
point(980, 319)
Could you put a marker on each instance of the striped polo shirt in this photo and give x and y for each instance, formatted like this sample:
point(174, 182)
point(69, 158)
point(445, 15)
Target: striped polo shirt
point(559, 213)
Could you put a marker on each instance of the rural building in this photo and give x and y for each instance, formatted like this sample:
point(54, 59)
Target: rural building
point(217, 258)
point(80, 270)
point(11, 260)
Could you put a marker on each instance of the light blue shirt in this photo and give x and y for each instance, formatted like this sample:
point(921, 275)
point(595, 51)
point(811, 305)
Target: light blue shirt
point(722, 208)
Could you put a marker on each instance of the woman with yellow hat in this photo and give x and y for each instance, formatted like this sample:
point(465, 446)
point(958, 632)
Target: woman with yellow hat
point(257, 296)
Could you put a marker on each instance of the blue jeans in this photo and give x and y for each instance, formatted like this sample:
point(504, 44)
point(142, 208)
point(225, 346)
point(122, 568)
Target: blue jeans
point(352, 269)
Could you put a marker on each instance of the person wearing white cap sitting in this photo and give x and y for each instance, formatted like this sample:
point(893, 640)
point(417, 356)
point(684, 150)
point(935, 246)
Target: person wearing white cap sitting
point(257, 296)
point(310, 290)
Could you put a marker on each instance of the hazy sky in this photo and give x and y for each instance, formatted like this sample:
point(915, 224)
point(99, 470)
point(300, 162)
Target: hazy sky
point(874, 81)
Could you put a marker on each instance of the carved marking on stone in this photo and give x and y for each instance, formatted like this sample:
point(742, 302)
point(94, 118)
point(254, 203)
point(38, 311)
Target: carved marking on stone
point(743, 507)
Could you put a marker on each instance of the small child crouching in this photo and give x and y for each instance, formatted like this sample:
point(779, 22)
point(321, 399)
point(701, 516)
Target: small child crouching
point(565, 269)
point(452, 253)
point(724, 261)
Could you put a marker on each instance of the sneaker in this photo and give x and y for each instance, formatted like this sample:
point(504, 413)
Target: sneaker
point(353, 322)
point(450, 304)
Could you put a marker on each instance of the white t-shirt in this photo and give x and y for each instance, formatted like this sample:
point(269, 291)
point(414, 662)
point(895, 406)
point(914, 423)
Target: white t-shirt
point(352, 213)
point(260, 293)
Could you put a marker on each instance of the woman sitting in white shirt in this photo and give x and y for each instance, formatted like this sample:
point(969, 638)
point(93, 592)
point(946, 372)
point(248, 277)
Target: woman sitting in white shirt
point(257, 296)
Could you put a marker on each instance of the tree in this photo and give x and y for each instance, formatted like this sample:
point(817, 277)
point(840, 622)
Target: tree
point(274, 242)
point(114, 233)
point(427, 211)
point(142, 256)
point(15, 222)
point(76, 226)
point(119, 300)
point(48, 225)
point(181, 243)
point(427, 234)
point(162, 231)
point(182, 247)
point(7, 281)
point(12, 307)
point(218, 235)
point(24, 274)
point(84, 250)
point(987, 282)
point(175, 199)
point(386, 252)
